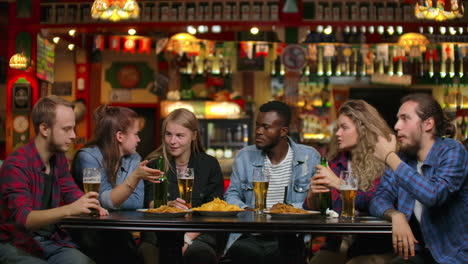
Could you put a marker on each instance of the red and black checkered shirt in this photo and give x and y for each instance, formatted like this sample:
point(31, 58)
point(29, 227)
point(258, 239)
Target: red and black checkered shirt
point(21, 191)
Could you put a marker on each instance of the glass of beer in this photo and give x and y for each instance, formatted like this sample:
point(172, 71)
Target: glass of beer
point(261, 179)
point(348, 190)
point(185, 179)
point(92, 183)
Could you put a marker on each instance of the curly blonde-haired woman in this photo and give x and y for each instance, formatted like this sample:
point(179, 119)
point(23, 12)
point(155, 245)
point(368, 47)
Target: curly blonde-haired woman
point(352, 148)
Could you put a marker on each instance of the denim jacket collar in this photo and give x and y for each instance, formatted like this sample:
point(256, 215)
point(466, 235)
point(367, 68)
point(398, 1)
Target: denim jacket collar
point(299, 156)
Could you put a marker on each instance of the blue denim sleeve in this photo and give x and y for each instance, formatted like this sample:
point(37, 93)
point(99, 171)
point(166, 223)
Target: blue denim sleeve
point(234, 194)
point(136, 199)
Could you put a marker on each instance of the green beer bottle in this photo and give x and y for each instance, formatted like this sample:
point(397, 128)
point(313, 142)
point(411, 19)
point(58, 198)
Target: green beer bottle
point(160, 189)
point(324, 199)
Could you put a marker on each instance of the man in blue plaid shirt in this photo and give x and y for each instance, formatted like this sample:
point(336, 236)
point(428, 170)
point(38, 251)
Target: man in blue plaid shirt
point(424, 192)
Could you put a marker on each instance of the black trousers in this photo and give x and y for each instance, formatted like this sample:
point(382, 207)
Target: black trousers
point(205, 249)
point(255, 249)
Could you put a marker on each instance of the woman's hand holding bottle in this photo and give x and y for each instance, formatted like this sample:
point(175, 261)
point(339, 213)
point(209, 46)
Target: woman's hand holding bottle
point(324, 179)
point(145, 173)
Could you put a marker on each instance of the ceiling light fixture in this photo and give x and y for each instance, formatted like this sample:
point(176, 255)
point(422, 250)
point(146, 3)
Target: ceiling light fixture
point(254, 30)
point(192, 30)
point(216, 29)
point(72, 32)
point(132, 31)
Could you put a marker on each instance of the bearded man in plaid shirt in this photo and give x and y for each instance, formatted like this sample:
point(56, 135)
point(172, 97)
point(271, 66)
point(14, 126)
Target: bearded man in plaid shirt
point(34, 183)
point(424, 192)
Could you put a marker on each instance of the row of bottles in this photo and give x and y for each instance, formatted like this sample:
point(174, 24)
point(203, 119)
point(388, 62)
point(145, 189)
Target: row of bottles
point(359, 10)
point(232, 135)
point(366, 60)
point(157, 11)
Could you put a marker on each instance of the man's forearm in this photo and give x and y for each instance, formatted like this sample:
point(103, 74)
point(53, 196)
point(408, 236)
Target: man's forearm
point(390, 213)
point(40, 218)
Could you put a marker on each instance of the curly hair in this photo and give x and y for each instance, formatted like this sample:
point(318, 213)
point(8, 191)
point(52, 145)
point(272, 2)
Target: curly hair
point(369, 125)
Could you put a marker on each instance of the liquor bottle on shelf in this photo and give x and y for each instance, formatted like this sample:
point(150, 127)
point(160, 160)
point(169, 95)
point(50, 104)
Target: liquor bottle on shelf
point(238, 134)
point(245, 134)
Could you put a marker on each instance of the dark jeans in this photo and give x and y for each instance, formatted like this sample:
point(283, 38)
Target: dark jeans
point(57, 254)
point(255, 249)
point(9, 254)
point(107, 246)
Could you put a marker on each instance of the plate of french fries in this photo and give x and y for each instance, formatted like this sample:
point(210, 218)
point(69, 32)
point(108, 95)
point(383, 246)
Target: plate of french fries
point(165, 211)
point(281, 210)
point(217, 207)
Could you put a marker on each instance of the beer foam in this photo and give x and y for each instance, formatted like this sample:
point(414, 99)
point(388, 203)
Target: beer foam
point(93, 181)
point(347, 188)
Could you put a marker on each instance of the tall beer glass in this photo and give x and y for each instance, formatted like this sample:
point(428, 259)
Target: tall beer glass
point(260, 183)
point(185, 179)
point(348, 190)
point(92, 183)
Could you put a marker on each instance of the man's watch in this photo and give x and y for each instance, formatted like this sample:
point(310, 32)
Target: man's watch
point(187, 240)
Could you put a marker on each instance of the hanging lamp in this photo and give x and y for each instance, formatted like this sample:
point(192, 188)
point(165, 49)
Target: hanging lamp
point(18, 61)
point(439, 10)
point(115, 10)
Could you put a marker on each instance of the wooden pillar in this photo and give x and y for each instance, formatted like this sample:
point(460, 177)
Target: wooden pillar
point(94, 92)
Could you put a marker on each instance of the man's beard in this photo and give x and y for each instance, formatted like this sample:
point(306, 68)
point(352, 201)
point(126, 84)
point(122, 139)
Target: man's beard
point(54, 147)
point(411, 150)
point(268, 147)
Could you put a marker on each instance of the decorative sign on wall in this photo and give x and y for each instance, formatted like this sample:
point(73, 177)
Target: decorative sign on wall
point(45, 59)
point(21, 106)
point(129, 75)
point(21, 97)
point(294, 57)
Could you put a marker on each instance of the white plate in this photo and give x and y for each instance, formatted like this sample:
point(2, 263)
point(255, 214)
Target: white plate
point(375, 221)
point(165, 215)
point(217, 213)
point(293, 216)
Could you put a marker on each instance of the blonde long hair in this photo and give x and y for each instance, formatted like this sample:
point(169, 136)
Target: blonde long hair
point(186, 119)
point(369, 125)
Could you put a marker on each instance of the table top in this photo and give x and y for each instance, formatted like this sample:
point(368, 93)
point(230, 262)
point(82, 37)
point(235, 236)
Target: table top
point(242, 222)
